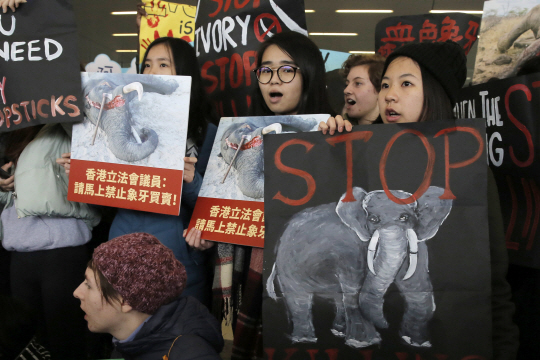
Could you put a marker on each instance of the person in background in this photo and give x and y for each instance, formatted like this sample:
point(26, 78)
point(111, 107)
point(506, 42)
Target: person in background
point(362, 75)
point(132, 289)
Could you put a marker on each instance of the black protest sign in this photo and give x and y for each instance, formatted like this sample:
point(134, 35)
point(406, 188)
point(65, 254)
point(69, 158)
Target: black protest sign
point(227, 36)
point(394, 32)
point(39, 65)
point(354, 267)
point(513, 136)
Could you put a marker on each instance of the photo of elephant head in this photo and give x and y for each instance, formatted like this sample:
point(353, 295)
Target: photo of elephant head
point(241, 147)
point(352, 252)
point(107, 102)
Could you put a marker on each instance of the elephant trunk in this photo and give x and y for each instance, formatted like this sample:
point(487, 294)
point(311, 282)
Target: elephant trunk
point(506, 41)
point(250, 173)
point(124, 146)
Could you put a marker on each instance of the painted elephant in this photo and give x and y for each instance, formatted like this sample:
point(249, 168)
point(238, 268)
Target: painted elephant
point(531, 21)
point(352, 252)
point(249, 162)
point(115, 94)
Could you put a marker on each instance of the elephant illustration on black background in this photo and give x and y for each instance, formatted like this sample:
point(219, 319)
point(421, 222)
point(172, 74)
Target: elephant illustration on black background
point(249, 162)
point(124, 141)
point(351, 252)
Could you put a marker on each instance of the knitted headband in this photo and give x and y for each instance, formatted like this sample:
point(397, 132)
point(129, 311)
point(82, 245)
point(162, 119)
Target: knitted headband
point(446, 61)
point(143, 271)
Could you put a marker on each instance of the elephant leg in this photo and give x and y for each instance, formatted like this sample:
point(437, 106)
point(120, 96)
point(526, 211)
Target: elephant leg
point(339, 325)
point(299, 307)
point(419, 302)
point(371, 301)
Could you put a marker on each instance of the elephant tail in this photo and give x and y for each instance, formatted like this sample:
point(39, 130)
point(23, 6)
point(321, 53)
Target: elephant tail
point(270, 283)
point(130, 150)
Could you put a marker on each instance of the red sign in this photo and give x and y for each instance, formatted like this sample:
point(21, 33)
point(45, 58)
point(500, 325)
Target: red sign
point(133, 187)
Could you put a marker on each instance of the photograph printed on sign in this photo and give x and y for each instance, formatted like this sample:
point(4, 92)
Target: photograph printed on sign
point(508, 38)
point(142, 120)
point(236, 167)
point(392, 258)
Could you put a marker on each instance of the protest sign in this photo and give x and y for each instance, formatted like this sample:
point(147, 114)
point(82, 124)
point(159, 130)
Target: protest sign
point(227, 36)
point(396, 31)
point(351, 221)
point(39, 65)
point(512, 139)
point(166, 19)
point(508, 38)
point(134, 157)
point(230, 204)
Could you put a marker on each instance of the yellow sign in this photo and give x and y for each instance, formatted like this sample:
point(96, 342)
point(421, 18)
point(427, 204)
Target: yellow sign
point(166, 19)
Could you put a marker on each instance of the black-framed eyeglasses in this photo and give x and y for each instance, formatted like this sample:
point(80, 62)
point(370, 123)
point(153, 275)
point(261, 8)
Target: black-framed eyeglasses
point(285, 73)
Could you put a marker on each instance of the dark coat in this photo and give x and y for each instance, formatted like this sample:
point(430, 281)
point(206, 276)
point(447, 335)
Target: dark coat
point(186, 322)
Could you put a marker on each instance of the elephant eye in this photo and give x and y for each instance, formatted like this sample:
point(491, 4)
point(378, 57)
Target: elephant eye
point(374, 219)
point(403, 217)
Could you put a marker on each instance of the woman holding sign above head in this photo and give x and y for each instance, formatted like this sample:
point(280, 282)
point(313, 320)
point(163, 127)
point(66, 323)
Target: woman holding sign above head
point(421, 83)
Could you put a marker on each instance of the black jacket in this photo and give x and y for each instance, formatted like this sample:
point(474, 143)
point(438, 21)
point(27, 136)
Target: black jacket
point(186, 320)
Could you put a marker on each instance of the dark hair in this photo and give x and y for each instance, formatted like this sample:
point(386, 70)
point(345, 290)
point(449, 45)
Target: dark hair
point(15, 141)
point(17, 326)
point(185, 61)
point(375, 64)
point(437, 104)
point(307, 56)
point(105, 287)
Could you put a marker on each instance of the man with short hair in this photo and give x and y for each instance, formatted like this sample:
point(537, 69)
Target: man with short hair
point(131, 291)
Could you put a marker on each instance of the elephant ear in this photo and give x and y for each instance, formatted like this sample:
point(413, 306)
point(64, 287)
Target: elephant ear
point(431, 212)
point(353, 214)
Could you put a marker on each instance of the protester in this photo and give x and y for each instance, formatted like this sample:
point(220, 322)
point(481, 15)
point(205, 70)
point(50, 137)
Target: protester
point(132, 290)
point(172, 56)
point(291, 77)
point(363, 79)
point(421, 83)
point(45, 234)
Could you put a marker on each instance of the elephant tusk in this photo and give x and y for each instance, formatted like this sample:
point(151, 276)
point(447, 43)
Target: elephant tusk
point(134, 86)
point(273, 127)
point(244, 138)
point(413, 253)
point(106, 96)
point(371, 250)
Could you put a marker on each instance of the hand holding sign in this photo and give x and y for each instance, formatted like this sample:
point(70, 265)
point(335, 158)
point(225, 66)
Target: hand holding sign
point(12, 4)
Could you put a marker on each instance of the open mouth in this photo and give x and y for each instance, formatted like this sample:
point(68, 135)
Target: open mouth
point(351, 102)
point(275, 96)
point(392, 115)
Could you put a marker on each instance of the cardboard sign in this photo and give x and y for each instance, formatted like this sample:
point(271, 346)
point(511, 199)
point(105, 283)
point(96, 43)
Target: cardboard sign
point(134, 158)
point(230, 204)
point(508, 39)
point(39, 65)
point(513, 135)
point(377, 243)
point(227, 36)
point(166, 19)
point(394, 32)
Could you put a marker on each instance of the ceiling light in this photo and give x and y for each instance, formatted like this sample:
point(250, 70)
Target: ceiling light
point(361, 52)
point(310, 11)
point(126, 50)
point(358, 11)
point(332, 34)
point(124, 13)
point(458, 11)
point(126, 34)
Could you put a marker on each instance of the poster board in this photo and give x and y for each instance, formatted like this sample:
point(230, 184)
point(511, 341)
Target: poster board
point(230, 205)
point(227, 36)
point(508, 38)
point(396, 31)
point(322, 296)
point(513, 135)
point(165, 19)
point(39, 62)
point(137, 159)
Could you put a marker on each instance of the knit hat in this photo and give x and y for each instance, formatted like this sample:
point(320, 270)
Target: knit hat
point(446, 61)
point(143, 271)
